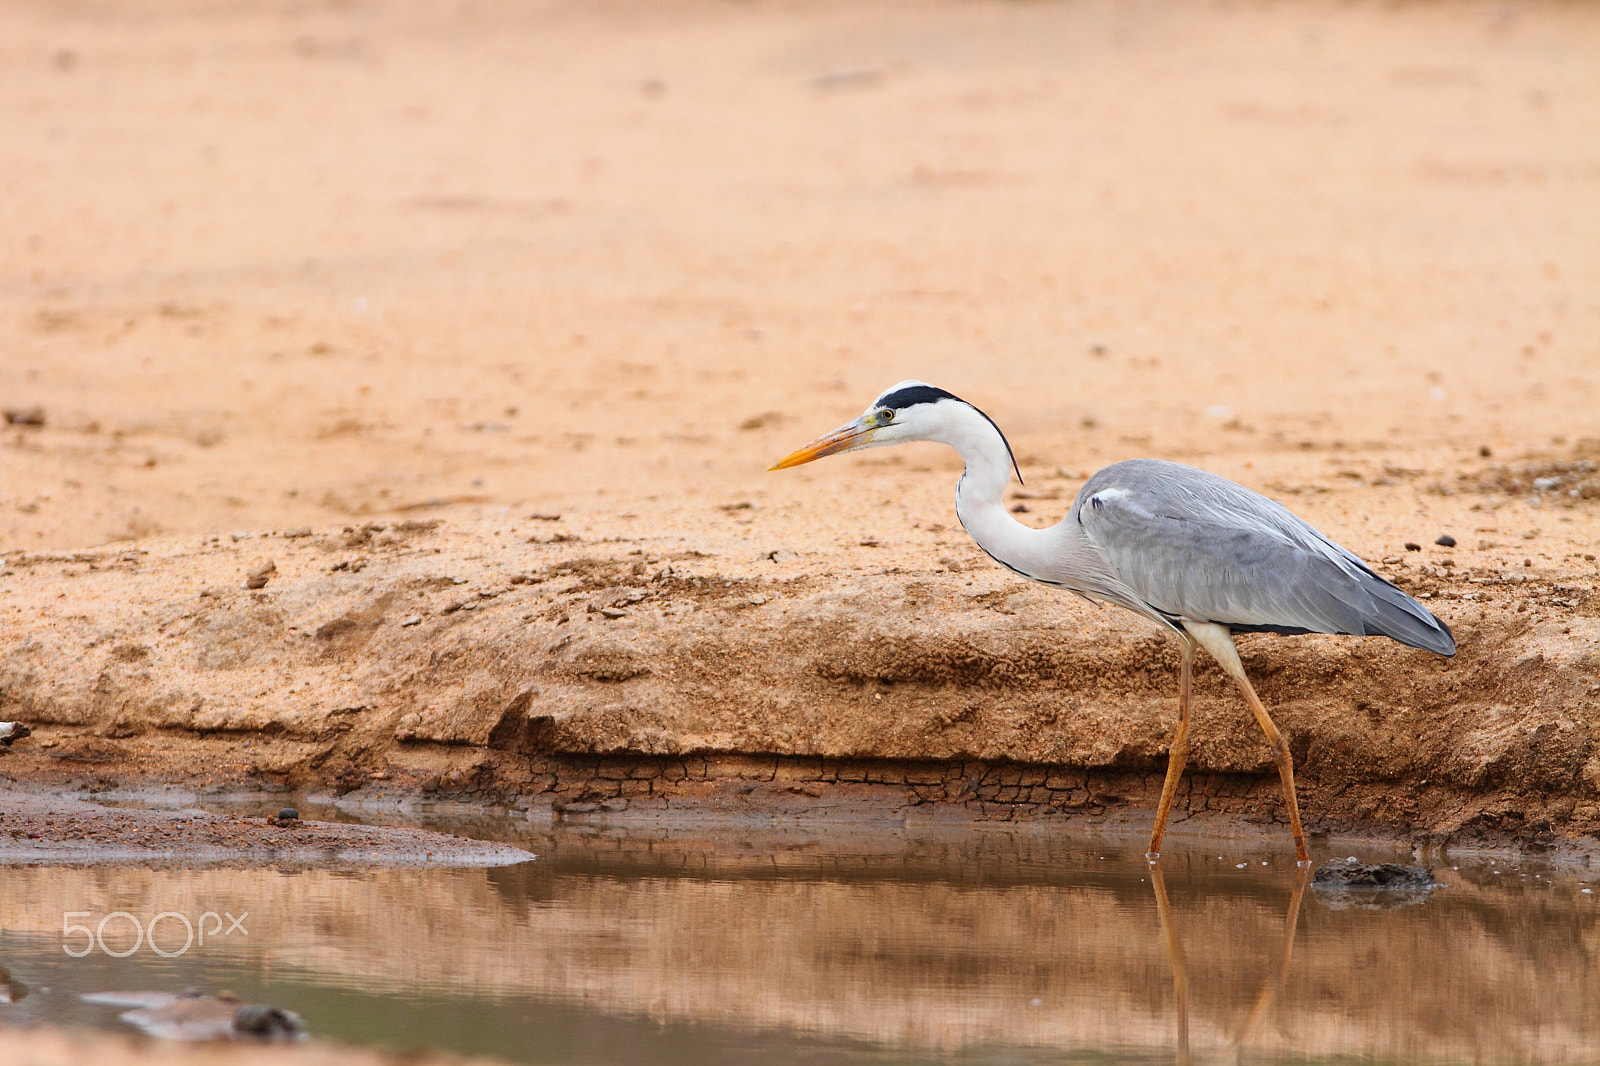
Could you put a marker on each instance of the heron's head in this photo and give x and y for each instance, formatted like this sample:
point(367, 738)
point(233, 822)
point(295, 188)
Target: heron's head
point(911, 410)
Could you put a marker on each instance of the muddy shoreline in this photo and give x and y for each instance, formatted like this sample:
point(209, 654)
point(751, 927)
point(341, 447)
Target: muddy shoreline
point(42, 828)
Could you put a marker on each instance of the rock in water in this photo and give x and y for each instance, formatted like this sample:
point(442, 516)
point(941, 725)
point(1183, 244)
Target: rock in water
point(1351, 884)
point(193, 1016)
point(1351, 873)
point(257, 1021)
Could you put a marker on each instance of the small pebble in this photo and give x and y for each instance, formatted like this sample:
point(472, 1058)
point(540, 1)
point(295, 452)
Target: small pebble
point(1413, 546)
point(757, 600)
point(414, 620)
point(258, 578)
point(1446, 541)
point(288, 814)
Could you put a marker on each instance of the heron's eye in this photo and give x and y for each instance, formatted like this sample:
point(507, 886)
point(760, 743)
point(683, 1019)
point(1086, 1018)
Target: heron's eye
point(886, 415)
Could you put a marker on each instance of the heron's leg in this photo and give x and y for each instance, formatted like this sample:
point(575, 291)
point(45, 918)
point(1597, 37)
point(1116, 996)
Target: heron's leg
point(1280, 755)
point(1179, 754)
point(1219, 642)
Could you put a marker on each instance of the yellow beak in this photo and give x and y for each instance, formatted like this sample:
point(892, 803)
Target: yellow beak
point(846, 437)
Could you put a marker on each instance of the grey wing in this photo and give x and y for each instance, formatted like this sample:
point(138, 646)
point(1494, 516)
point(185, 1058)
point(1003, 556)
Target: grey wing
point(1194, 545)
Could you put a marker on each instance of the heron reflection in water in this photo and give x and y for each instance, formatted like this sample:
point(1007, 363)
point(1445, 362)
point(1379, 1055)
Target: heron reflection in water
point(1180, 973)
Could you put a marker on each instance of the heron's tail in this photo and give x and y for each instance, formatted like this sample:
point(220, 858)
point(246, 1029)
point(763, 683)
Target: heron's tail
point(1395, 614)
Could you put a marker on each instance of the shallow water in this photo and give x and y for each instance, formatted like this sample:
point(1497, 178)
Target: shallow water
point(843, 945)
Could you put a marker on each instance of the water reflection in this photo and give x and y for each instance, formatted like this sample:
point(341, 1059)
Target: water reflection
point(1180, 970)
point(1280, 972)
point(850, 945)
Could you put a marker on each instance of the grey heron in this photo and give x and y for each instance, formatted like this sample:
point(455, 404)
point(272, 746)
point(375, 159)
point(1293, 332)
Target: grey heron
point(1199, 555)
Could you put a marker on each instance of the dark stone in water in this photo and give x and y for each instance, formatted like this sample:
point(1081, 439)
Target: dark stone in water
point(1349, 884)
point(192, 1015)
point(288, 814)
point(257, 1021)
point(1348, 873)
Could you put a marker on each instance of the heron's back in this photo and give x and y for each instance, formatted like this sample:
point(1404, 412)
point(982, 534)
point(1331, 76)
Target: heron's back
point(1194, 545)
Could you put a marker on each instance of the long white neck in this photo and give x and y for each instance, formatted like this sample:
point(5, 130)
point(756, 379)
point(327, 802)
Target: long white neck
point(980, 495)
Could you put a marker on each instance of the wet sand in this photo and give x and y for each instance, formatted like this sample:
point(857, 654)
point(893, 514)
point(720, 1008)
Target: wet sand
point(43, 828)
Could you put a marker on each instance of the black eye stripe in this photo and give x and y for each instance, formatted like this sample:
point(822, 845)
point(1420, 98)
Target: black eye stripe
point(912, 395)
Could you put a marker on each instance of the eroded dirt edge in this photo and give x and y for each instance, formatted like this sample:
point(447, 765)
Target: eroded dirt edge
point(596, 674)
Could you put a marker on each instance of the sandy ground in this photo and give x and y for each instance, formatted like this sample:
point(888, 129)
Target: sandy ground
point(289, 283)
